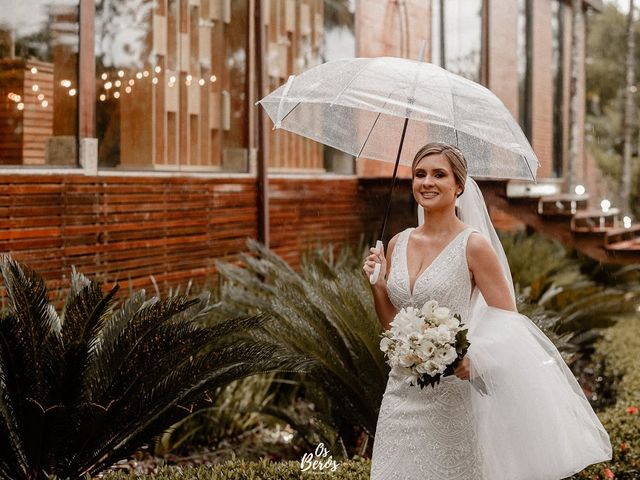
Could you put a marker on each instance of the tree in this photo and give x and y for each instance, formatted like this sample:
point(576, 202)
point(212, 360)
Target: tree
point(629, 112)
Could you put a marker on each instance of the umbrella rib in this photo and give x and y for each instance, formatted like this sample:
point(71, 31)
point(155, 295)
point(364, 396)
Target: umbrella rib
point(369, 134)
point(289, 112)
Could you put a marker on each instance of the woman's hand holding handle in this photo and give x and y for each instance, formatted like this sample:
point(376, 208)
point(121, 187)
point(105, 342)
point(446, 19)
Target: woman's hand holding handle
point(375, 264)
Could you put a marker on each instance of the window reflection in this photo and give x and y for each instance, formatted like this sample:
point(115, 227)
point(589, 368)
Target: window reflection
point(558, 29)
point(38, 82)
point(339, 41)
point(457, 36)
point(524, 61)
point(172, 84)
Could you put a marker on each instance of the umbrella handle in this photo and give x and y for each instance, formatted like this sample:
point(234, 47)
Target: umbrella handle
point(376, 270)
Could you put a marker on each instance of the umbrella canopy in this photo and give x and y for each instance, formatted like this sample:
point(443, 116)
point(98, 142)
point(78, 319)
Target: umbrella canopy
point(360, 105)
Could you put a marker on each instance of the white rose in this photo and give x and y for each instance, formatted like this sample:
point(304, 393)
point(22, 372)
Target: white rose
point(429, 307)
point(452, 323)
point(440, 335)
point(441, 314)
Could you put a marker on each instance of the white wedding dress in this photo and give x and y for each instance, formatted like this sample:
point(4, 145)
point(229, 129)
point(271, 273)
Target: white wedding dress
point(451, 432)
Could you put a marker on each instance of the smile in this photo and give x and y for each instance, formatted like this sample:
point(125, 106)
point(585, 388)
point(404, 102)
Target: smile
point(429, 194)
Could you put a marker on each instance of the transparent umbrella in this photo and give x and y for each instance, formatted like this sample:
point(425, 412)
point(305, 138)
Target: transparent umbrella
point(386, 108)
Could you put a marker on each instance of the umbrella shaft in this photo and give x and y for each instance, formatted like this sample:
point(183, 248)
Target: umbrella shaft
point(393, 180)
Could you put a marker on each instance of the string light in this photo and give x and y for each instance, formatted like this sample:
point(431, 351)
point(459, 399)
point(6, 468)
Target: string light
point(605, 205)
point(132, 82)
point(154, 80)
point(201, 82)
point(103, 97)
point(138, 75)
point(35, 88)
point(40, 96)
point(72, 92)
point(44, 104)
point(121, 73)
point(580, 190)
point(158, 69)
point(103, 76)
point(213, 78)
point(108, 85)
point(145, 73)
point(172, 79)
point(116, 95)
point(34, 70)
point(117, 83)
point(65, 83)
point(128, 89)
point(626, 221)
point(20, 106)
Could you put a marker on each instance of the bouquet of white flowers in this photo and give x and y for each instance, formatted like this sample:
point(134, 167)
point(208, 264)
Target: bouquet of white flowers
point(425, 345)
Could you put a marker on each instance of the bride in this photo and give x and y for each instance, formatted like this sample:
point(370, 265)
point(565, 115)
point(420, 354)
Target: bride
point(533, 422)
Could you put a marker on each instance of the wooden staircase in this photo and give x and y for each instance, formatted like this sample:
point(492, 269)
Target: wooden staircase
point(570, 219)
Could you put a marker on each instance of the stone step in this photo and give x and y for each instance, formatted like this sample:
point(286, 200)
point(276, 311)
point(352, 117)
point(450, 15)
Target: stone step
point(623, 238)
point(595, 220)
point(564, 205)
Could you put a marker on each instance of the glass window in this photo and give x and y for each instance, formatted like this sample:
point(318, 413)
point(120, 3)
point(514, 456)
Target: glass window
point(457, 36)
point(39, 82)
point(339, 41)
point(172, 84)
point(557, 25)
point(524, 64)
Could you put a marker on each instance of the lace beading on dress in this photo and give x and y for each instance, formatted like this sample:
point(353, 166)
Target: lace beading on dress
point(428, 434)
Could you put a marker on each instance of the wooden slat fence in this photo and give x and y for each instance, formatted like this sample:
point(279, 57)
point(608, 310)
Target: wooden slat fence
point(173, 228)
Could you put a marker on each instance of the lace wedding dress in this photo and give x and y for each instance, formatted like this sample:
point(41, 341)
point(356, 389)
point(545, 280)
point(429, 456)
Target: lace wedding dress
point(534, 424)
point(428, 434)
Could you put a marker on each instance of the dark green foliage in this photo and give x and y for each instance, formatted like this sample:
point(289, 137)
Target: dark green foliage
point(85, 388)
point(569, 297)
point(324, 313)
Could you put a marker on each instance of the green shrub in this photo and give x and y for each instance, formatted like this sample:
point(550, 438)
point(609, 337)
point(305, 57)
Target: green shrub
point(354, 469)
point(617, 361)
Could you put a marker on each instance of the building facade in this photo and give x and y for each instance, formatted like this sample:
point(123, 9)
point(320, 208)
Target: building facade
point(129, 141)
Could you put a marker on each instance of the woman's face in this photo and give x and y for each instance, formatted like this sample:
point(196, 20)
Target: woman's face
point(434, 185)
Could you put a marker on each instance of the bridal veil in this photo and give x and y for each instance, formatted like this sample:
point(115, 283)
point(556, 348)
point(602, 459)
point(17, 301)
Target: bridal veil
point(535, 422)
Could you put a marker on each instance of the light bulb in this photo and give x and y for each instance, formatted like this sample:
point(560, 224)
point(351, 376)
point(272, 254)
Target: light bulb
point(580, 190)
point(72, 92)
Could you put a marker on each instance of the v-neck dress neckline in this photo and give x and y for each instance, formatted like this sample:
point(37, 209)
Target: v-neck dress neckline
point(421, 274)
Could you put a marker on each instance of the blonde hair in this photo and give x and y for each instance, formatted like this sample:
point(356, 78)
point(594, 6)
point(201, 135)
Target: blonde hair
point(455, 157)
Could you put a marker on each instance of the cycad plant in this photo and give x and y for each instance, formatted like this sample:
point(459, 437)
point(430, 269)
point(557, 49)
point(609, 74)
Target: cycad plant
point(82, 389)
point(564, 293)
point(324, 313)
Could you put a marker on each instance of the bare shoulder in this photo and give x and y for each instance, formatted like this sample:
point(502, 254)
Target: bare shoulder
point(480, 252)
